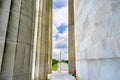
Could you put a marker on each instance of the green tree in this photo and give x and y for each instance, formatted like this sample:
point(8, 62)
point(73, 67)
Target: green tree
point(54, 61)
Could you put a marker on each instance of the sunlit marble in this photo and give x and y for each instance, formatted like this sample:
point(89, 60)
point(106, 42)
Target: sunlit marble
point(97, 39)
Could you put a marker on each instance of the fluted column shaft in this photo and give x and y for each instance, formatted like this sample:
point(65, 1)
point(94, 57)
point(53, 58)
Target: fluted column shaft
point(4, 18)
point(50, 39)
point(17, 22)
point(43, 44)
point(71, 38)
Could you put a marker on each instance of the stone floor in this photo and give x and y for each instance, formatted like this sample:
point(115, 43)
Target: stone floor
point(63, 75)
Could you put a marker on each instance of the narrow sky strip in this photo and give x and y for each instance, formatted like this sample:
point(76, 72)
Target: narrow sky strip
point(60, 28)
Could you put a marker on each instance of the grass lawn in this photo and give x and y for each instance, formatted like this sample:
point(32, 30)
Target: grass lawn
point(54, 67)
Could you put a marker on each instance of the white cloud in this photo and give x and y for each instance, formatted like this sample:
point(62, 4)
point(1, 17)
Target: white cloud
point(62, 1)
point(60, 16)
point(61, 44)
point(54, 30)
point(64, 35)
point(61, 40)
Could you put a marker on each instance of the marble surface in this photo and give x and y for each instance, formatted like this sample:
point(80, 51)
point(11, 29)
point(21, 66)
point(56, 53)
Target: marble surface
point(62, 67)
point(97, 39)
point(4, 17)
point(61, 76)
point(16, 24)
point(71, 36)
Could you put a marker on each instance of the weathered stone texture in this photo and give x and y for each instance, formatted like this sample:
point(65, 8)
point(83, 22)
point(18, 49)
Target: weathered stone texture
point(50, 39)
point(71, 38)
point(16, 24)
point(4, 17)
point(97, 38)
point(42, 47)
point(24, 24)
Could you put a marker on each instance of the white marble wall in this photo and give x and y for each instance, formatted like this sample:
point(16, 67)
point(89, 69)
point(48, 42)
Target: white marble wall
point(97, 39)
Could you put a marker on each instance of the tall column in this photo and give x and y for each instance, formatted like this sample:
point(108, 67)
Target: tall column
point(42, 42)
point(19, 22)
point(37, 40)
point(50, 39)
point(4, 18)
point(71, 38)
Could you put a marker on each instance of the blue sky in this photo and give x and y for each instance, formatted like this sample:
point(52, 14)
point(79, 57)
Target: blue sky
point(60, 28)
point(59, 3)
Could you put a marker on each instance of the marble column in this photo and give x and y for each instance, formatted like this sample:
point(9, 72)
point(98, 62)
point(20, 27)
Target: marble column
point(45, 38)
point(50, 39)
point(37, 40)
point(4, 18)
point(71, 38)
point(16, 33)
point(43, 41)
